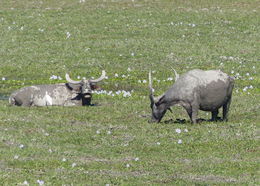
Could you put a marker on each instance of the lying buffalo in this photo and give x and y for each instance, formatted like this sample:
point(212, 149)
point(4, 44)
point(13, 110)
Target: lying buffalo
point(195, 90)
point(72, 93)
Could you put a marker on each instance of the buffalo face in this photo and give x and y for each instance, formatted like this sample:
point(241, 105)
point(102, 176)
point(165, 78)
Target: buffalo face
point(84, 87)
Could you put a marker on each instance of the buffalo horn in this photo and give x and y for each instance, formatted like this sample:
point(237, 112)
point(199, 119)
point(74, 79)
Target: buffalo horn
point(70, 80)
point(99, 79)
point(176, 74)
point(151, 88)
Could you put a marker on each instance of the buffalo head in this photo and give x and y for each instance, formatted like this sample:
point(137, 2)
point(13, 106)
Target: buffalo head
point(158, 104)
point(84, 87)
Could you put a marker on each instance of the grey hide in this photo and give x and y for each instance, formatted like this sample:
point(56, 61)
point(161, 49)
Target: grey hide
point(195, 90)
point(73, 93)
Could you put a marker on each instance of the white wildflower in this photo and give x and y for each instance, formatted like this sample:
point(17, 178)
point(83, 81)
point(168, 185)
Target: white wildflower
point(132, 54)
point(178, 131)
point(126, 94)
point(109, 132)
point(68, 35)
point(250, 78)
point(25, 183)
point(169, 78)
point(127, 165)
point(97, 132)
point(247, 74)
point(185, 130)
point(158, 143)
point(53, 77)
point(46, 134)
point(253, 67)
point(64, 159)
point(129, 69)
point(50, 151)
point(16, 157)
point(116, 75)
point(245, 89)
point(81, 1)
point(137, 159)
point(73, 165)
point(123, 76)
point(144, 81)
point(251, 87)
point(232, 72)
point(179, 141)
point(21, 146)
point(3, 78)
point(139, 81)
point(41, 30)
point(40, 182)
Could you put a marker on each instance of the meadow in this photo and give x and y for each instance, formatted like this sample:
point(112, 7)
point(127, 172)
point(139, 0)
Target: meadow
point(112, 143)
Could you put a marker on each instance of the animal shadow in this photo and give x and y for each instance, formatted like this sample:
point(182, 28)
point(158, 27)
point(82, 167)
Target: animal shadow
point(184, 121)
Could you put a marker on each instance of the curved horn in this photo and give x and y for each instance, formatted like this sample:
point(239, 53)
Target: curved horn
point(70, 80)
point(151, 88)
point(176, 74)
point(103, 75)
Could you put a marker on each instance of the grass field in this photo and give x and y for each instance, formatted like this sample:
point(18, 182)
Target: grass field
point(113, 144)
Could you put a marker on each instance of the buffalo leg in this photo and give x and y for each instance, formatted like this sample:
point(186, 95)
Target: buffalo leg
point(189, 111)
point(194, 115)
point(214, 115)
point(226, 109)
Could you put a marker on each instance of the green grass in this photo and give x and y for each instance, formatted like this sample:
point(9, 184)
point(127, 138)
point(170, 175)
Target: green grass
point(113, 143)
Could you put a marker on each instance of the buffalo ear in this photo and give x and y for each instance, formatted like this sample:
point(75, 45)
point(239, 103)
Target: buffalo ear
point(159, 100)
point(74, 87)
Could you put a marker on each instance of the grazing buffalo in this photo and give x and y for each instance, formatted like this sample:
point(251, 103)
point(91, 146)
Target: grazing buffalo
point(195, 90)
point(72, 93)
